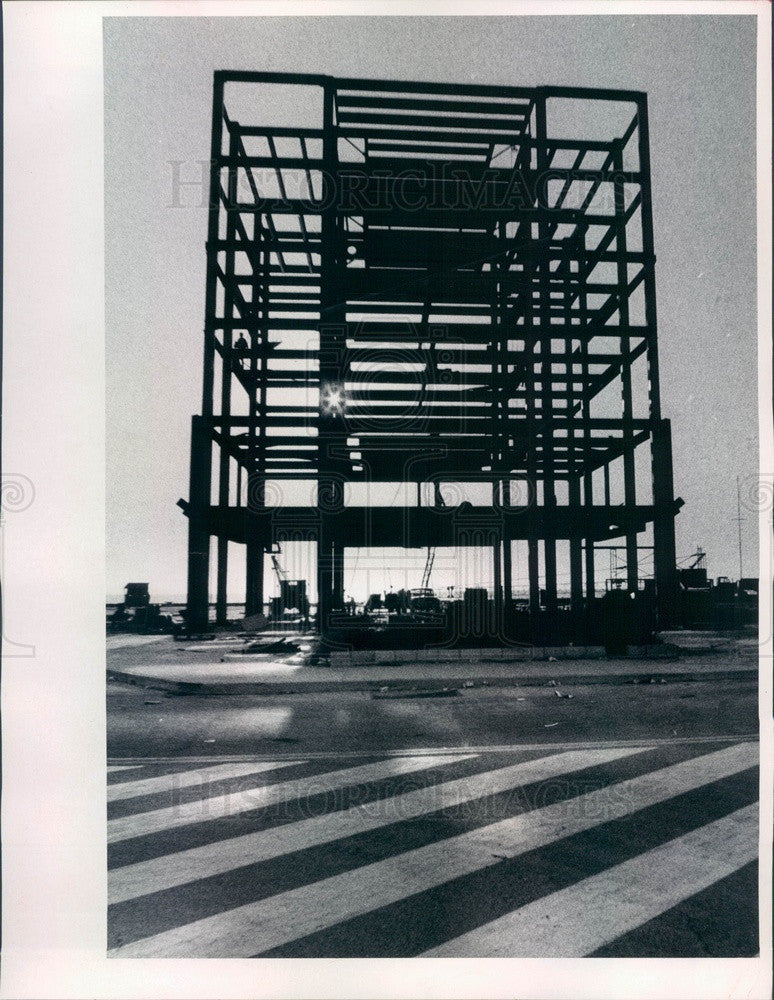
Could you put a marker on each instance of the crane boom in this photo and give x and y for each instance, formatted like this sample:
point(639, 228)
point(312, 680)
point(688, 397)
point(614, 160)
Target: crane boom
point(281, 574)
point(428, 566)
point(439, 502)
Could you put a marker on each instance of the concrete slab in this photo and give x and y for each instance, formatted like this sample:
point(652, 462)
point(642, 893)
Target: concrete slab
point(288, 677)
point(124, 641)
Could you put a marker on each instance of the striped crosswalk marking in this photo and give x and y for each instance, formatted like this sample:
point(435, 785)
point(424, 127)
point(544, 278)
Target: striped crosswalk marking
point(212, 859)
point(558, 925)
point(282, 918)
point(188, 779)
point(231, 803)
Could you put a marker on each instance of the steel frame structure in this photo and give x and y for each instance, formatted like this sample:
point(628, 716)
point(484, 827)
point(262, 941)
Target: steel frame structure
point(434, 284)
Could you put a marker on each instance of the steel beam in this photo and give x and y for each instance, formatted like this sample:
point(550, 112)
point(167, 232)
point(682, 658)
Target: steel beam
point(471, 335)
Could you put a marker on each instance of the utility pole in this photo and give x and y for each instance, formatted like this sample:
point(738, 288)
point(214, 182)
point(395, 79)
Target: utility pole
point(739, 520)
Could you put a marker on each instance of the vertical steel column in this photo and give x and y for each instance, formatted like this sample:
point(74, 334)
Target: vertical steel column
point(332, 342)
point(664, 560)
point(588, 551)
point(533, 548)
point(227, 372)
point(255, 542)
point(507, 544)
point(576, 557)
point(338, 575)
point(256, 477)
point(254, 599)
point(502, 396)
point(505, 457)
point(497, 566)
point(573, 475)
point(630, 490)
point(530, 277)
point(588, 451)
point(546, 376)
point(198, 607)
point(201, 427)
point(665, 569)
point(497, 426)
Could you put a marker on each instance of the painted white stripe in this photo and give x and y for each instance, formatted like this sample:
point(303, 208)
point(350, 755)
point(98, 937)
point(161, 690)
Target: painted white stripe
point(124, 767)
point(186, 779)
point(213, 859)
point(228, 804)
point(621, 899)
point(270, 923)
point(543, 746)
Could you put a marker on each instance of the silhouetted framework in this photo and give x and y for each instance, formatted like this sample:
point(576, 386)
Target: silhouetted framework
point(430, 283)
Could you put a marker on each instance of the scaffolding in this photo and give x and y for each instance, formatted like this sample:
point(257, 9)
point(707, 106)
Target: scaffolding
point(425, 283)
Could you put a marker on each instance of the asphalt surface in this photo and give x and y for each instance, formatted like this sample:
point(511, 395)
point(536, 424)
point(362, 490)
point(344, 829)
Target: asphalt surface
point(147, 723)
point(606, 820)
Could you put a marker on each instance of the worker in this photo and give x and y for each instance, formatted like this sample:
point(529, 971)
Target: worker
point(241, 347)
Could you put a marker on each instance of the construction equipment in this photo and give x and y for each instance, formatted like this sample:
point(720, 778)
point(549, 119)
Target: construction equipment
point(292, 597)
point(136, 595)
point(439, 502)
point(281, 574)
point(428, 567)
point(424, 603)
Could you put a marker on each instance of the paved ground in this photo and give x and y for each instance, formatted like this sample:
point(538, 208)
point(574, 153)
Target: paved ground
point(645, 850)
point(609, 819)
point(147, 723)
point(226, 666)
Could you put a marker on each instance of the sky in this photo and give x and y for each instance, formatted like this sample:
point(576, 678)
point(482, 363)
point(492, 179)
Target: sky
point(699, 74)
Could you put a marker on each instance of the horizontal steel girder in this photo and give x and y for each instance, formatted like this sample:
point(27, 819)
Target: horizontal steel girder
point(418, 527)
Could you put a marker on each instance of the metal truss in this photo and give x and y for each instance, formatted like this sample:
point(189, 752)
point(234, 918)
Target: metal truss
point(433, 283)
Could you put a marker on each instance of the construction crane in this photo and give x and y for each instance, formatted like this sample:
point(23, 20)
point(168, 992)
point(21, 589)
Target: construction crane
point(292, 595)
point(439, 502)
point(428, 567)
point(281, 573)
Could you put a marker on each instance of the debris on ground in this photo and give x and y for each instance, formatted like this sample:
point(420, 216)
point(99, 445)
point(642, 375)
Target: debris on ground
point(254, 623)
point(281, 645)
point(416, 693)
point(551, 684)
point(550, 725)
